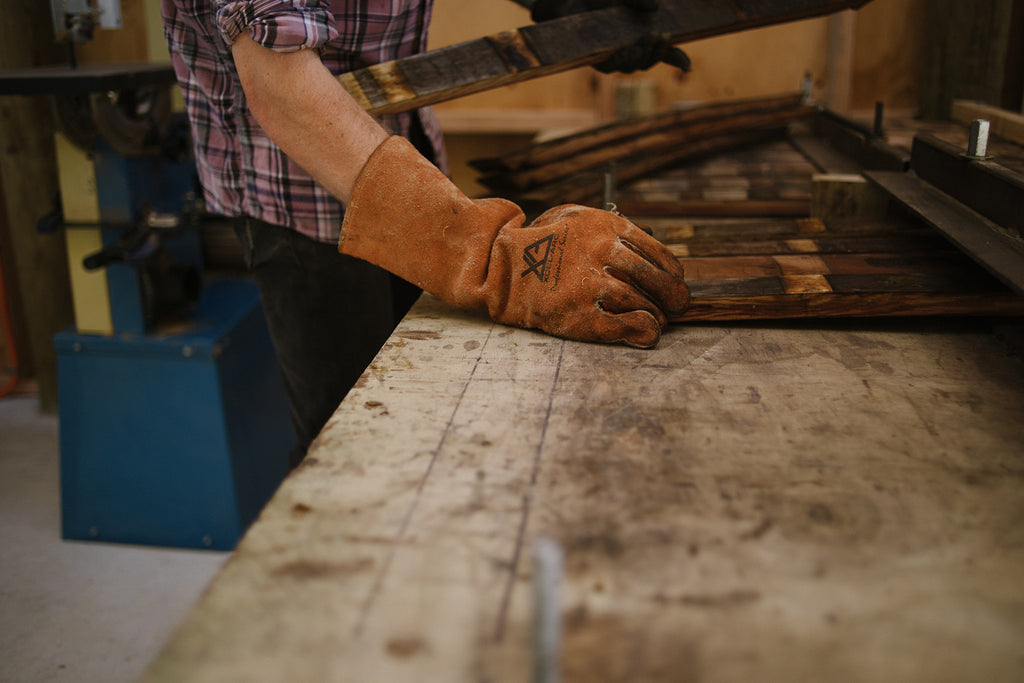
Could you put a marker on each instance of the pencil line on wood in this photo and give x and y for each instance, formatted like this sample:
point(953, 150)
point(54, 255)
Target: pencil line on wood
point(506, 597)
point(407, 519)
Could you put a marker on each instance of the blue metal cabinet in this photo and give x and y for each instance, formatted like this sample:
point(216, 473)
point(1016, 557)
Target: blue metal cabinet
point(173, 439)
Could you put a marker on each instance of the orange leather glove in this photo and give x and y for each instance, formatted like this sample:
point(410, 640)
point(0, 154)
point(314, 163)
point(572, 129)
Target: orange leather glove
point(576, 272)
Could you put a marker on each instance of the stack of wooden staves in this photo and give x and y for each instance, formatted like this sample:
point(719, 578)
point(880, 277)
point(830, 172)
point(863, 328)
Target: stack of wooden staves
point(775, 268)
point(726, 190)
point(573, 168)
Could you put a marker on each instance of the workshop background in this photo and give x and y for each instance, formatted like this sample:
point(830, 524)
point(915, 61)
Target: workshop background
point(913, 56)
point(79, 611)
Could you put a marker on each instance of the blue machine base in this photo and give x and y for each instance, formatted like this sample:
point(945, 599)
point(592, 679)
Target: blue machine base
point(173, 439)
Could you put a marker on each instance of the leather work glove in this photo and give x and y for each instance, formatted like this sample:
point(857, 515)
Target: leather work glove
point(652, 49)
point(576, 272)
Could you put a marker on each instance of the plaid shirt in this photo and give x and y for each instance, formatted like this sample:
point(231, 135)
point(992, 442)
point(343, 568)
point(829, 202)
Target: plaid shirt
point(242, 172)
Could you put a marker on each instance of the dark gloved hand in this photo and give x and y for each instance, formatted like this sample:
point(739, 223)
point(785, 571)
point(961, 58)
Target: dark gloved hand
point(652, 49)
point(575, 272)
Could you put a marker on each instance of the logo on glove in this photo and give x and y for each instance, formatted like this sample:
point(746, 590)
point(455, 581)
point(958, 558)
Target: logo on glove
point(540, 256)
point(536, 256)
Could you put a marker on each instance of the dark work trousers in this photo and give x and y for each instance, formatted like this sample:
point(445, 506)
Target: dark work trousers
point(328, 315)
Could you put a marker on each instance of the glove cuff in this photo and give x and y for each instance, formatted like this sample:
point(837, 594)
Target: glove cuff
point(407, 217)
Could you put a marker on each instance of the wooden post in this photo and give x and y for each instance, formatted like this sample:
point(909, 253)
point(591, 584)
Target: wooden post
point(1013, 75)
point(840, 195)
point(36, 278)
point(842, 28)
point(965, 54)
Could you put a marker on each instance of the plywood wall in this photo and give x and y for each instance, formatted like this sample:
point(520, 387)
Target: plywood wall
point(968, 47)
point(889, 48)
point(35, 272)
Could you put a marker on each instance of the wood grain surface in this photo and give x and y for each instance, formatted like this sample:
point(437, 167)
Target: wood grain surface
point(827, 501)
point(863, 261)
point(1005, 124)
point(794, 268)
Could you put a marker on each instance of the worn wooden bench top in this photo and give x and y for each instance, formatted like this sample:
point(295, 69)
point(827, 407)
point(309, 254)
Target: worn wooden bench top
point(802, 501)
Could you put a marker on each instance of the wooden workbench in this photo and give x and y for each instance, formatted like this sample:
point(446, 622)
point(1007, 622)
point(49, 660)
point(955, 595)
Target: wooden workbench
point(826, 501)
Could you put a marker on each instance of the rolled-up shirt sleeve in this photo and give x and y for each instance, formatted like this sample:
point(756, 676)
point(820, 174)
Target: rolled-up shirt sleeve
point(281, 25)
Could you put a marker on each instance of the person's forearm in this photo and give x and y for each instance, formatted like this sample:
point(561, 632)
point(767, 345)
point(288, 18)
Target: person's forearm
point(306, 112)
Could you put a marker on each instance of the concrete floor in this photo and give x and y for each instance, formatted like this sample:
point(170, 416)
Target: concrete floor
point(75, 611)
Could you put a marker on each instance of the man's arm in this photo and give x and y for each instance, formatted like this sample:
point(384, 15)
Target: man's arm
point(576, 272)
point(306, 111)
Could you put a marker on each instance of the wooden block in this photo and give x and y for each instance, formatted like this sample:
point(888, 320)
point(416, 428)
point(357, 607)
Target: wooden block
point(844, 195)
point(801, 264)
point(811, 225)
point(806, 246)
point(806, 284)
